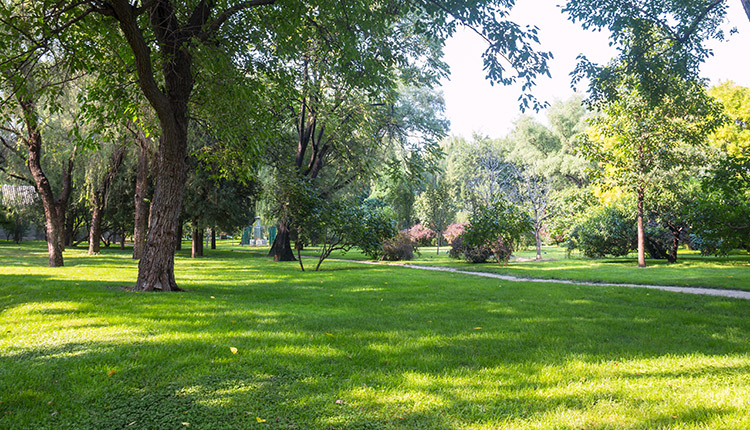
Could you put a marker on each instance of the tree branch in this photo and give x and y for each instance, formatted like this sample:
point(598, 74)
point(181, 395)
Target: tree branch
point(228, 13)
point(129, 25)
point(19, 177)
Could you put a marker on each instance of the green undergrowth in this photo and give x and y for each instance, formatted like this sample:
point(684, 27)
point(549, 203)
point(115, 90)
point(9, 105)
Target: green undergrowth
point(258, 344)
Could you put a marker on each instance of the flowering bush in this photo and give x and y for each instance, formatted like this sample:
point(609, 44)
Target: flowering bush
point(421, 235)
point(454, 230)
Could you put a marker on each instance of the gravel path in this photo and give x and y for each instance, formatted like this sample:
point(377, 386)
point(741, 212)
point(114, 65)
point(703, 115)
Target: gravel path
point(735, 294)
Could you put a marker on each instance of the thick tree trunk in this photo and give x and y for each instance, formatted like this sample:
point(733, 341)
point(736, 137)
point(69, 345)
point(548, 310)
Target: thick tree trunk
point(641, 231)
point(55, 228)
point(169, 95)
point(213, 238)
point(156, 266)
point(281, 250)
point(141, 204)
point(95, 232)
point(197, 250)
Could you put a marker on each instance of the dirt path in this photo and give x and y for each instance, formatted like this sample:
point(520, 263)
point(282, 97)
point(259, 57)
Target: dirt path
point(735, 294)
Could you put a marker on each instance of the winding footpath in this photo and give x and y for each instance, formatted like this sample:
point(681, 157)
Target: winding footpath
point(734, 294)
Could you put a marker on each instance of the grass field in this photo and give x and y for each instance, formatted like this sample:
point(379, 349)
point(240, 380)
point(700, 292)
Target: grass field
point(691, 269)
point(258, 344)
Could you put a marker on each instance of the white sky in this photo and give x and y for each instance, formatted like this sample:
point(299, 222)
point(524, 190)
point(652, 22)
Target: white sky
point(473, 105)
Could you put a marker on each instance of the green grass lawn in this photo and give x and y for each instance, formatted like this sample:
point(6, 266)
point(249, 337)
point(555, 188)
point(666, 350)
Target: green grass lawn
point(356, 347)
point(691, 269)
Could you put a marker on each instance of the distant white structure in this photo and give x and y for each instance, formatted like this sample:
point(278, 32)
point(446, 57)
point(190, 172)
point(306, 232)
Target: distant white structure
point(18, 195)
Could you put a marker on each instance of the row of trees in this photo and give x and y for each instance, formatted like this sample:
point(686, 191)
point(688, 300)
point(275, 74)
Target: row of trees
point(607, 181)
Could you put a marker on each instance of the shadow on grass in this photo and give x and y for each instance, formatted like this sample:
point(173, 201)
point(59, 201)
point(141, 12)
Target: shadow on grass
point(354, 347)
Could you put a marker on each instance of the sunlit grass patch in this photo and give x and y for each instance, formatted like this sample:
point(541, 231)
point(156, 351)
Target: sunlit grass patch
point(258, 344)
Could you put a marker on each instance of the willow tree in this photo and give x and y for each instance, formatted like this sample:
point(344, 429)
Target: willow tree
point(35, 84)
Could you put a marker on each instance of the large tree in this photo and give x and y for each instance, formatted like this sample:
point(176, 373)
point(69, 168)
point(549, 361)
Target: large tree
point(634, 140)
point(175, 46)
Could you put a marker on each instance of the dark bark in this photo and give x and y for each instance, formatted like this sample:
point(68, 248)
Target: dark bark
point(676, 232)
point(213, 238)
point(122, 238)
point(99, 200)
point(281, 250)
point(156, 266)
point(169, 96)
point(746, 6)
point(197, 249)
point(178, 245)
point(298, 248)
point(141, 202)
point(54, 206)
point(95, 232)
point(69, 231)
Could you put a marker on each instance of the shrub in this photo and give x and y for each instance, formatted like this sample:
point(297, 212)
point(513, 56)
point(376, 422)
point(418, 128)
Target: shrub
point(605, 230)
point(453, 231)
point(472, 254)
point(421, 235)
point(400, 247)
point(499, 227)
point(378, 226)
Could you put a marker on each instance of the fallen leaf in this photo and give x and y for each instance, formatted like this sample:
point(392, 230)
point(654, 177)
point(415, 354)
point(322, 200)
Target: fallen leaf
point(213, 297)
point(260, 420)
point(186, 424)
point(477, 328)
point(339, 402)
point(111, 372)
point(329, 334)
point(233, 349)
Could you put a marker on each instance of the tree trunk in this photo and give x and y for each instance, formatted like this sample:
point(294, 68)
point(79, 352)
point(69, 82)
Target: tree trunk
point(641, 231)
point(213, 238)
point(746, 6)
point(672, 255)
point(439, 240)
point(281, 250)
point(170, 102)
point(95, 232)
point(122, 238)
point(54, 208)
point(156, 266)
point(538, 237)
point(178, 245)
point(55, 228)
point(69, 230)
point(99, 199)
point(141, 204)
point(197, 250)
